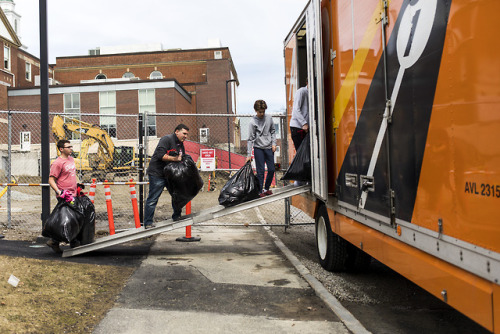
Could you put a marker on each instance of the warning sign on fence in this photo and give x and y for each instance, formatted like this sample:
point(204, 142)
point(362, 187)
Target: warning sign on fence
point(207, 159)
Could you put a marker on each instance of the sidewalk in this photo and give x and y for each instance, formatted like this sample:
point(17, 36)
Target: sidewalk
point(235, 280)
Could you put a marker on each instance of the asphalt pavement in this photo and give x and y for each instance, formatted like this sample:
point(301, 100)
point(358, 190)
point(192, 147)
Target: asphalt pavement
point(235, 280)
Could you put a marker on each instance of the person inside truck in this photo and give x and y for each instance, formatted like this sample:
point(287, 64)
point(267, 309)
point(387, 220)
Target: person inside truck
point(299, 123)
point(170, 148)
point(262, 138)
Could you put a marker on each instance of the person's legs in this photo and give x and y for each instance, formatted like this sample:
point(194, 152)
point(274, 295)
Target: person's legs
point(269, 159)
point(259, 165)
point(156, 185)
point(297, 137)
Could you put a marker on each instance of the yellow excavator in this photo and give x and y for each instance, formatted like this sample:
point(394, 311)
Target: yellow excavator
point(110, 160)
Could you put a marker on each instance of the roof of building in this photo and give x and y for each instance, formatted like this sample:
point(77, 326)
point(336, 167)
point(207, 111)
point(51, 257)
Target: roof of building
point(12, 34)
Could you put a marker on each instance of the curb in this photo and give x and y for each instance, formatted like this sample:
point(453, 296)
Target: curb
point(345, 316)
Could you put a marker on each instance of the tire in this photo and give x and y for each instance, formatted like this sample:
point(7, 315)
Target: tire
point(357, 260)
point(331, 248)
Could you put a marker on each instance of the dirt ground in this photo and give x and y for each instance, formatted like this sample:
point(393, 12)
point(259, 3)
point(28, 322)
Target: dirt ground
point(55, 296)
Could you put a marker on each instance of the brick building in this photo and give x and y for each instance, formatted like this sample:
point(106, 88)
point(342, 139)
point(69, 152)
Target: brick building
point(18, 68)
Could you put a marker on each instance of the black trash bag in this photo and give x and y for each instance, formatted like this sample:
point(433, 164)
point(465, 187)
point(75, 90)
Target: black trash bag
point(241, 187)
point(65, 221)
point(184, 181)
point(300, 168)
point(87, 232)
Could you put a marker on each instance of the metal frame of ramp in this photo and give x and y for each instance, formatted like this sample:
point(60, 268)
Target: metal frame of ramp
point(192, 219)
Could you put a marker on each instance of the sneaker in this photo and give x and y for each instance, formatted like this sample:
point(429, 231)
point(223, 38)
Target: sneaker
point(54, 245)
point(149, 226)
point(263, 194)
point(268, 192)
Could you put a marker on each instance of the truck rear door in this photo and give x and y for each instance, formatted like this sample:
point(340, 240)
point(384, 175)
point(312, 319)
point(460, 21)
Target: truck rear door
point(319, 181)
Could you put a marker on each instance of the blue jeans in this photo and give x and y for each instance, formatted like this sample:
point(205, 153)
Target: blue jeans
point(156, 186)
point(262, 158)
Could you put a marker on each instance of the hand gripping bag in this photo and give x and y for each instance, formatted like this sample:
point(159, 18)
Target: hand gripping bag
point(241, 187)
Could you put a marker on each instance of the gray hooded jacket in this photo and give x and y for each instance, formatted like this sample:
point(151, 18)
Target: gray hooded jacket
point(261, 133)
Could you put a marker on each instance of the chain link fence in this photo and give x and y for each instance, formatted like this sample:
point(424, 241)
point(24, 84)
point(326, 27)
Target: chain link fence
point(117, 148)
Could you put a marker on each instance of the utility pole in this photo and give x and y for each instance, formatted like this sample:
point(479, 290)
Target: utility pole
point(44, 103)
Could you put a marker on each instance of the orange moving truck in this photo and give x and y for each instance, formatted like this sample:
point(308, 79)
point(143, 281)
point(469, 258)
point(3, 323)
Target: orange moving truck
point(404, 111)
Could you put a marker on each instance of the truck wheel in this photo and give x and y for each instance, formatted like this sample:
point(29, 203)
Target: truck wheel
point(357, 260)
point(332, 249)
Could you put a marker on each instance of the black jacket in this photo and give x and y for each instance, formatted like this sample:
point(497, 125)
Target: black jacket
point(167, 144)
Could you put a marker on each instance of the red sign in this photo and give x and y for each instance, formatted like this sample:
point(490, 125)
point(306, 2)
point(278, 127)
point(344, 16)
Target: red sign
point(207, 159)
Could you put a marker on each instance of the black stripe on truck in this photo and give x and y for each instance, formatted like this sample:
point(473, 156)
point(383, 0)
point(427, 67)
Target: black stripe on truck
point(409, 126)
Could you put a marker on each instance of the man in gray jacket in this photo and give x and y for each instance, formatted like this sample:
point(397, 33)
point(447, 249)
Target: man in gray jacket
point(262, 137)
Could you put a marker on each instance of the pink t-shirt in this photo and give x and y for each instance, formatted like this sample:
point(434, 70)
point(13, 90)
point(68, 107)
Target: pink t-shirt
point(64, 171)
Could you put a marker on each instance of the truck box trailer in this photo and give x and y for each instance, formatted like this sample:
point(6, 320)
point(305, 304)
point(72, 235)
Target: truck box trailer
point(404, 112)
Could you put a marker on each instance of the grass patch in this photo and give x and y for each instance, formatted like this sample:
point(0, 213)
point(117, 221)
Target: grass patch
point(56, 296)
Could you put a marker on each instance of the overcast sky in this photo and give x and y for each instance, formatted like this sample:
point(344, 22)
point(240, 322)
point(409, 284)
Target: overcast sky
point(253, 30)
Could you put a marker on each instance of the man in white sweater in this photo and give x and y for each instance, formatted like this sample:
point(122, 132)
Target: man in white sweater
point(262, 138)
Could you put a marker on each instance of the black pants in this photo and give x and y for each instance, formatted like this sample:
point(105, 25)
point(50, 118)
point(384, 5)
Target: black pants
point(298, 136)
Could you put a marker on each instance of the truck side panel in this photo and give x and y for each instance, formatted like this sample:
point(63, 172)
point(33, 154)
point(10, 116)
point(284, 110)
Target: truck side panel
point(412, 108)
point(460, 179)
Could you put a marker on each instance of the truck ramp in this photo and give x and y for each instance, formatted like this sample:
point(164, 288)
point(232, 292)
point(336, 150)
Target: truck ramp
point(192, 219)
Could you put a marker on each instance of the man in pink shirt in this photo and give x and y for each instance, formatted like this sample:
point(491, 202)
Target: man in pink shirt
point(62, 177)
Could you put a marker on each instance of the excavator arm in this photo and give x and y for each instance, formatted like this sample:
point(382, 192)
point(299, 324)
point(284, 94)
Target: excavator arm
point(106, 162)
point(62, 127)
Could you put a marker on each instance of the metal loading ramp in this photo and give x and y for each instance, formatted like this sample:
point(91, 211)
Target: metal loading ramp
point(192, 219)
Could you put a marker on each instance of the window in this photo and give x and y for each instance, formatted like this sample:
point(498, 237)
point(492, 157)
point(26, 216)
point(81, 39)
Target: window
point(72, 106)
point(128, 75)
point(147, 104)
point(277, 129)
point(155, 75)
point(100, 76)
point(107, 112)
point(6, 57)
point(28, 71)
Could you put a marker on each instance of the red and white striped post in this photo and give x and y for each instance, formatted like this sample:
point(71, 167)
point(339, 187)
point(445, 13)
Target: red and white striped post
point(109, 206)
point(92, 191)
point(135, 208)
point(188, 237)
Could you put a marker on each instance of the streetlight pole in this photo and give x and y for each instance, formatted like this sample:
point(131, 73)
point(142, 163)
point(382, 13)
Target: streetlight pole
point(228, 132)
